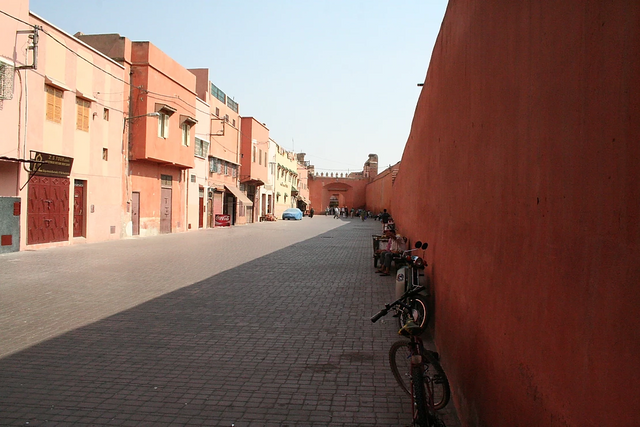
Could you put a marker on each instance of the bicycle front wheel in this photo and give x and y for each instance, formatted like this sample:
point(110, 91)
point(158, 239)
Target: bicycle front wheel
point(400, 362)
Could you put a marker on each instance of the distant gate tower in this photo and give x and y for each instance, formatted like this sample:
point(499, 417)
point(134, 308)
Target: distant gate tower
point(370, 169)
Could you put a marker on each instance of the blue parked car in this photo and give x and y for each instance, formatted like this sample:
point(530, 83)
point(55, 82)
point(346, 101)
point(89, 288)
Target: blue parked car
point(292, 213)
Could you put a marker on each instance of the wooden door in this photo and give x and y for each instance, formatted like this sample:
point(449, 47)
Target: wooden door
point(135, 213)
point(201, 206)
point(165, 210)
point(78, 209)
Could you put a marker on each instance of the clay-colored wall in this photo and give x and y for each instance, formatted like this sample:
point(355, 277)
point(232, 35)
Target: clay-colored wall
point(379, 191)
point(145, 179)
point(167, 82)
point(521, 171)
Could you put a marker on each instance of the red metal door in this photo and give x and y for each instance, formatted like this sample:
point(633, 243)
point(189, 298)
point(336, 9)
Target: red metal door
point(165, 210)
point(78, 209)
point(48, 210)
point(201, 206)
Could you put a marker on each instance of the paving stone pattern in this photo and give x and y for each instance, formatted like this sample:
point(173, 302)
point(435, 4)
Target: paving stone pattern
point(262, 325)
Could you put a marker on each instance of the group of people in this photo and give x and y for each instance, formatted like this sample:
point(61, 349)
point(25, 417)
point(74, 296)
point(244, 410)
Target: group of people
point(396, 244)
point(344, 212)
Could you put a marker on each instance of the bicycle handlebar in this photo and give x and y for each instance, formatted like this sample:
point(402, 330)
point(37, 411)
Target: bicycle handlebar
point(399, 301)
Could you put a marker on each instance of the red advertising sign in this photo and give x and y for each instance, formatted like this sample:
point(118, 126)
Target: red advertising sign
point(222, 220)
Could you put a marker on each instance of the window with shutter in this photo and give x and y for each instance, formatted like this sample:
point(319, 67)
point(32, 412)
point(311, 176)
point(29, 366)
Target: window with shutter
point(163, 125)
point(83, 110)
point(54, 104)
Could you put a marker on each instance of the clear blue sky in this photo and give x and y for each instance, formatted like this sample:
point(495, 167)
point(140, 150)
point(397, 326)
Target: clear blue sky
point(335, 79)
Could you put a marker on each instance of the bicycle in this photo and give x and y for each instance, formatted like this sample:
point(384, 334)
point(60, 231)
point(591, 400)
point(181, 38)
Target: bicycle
point(416, 369)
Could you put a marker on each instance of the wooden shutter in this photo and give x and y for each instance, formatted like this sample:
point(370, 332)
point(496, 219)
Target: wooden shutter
point(83, 108)
point(54, 104)
point(57, 109)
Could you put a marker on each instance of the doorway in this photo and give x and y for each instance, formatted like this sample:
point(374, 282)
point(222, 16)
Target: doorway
point(201, 207)
point(135, 213)
point(165, 210)
point(79, 225)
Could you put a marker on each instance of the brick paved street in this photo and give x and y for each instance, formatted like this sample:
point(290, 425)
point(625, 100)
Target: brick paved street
point(262, 325)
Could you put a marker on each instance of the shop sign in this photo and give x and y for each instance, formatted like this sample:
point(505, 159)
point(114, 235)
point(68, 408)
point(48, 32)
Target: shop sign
point(222, 220)
point(52, 164)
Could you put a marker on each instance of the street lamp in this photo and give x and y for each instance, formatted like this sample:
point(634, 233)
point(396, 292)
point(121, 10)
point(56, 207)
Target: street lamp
point(155, 114)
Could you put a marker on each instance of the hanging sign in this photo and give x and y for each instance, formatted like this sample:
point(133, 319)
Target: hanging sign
point(52, 164)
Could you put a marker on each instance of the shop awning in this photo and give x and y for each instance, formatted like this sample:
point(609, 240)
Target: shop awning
point(239, 194)
point(252, 181)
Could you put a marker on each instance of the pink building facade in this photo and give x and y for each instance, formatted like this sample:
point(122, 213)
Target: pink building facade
point(62, 151)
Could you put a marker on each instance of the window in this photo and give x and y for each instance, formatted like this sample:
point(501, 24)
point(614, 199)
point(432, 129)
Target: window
point(105, 154)
point(233, 105)
point(166, 180)
point(83, 110)
point(163, 125)
point(213, 165)
point(54, 103)
point(217, 112)
point(202, 148)
point(186, 134)
point(253, 158)
point(218, 93)
point(105, 114)
point(234, 171)
point(260, 156)
point(265, 159)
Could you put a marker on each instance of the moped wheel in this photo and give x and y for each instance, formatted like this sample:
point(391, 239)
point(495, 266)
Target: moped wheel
point(419, 313)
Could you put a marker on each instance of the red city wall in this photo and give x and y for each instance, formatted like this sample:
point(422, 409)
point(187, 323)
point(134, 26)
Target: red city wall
point(380, 189)
point(525, 148)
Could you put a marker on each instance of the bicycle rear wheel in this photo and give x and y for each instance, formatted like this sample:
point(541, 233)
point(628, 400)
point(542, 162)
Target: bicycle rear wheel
point(440, 383)
point(400, 363)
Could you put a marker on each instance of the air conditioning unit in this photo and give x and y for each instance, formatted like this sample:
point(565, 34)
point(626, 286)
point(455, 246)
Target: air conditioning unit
point(210, 193)
point(6, 79)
